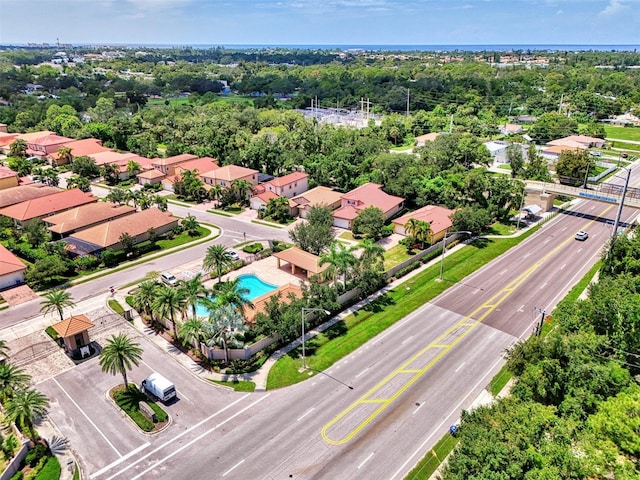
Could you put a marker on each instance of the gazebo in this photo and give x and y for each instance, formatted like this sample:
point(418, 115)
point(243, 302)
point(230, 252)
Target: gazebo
point(300, 261)
point(75, 335)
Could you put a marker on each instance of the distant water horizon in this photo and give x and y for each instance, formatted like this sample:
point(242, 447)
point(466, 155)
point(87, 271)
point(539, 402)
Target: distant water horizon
point(351, 47)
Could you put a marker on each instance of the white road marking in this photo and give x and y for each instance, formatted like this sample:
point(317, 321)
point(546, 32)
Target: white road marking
point(562, 230)
point(87, 417)
point(580, 249)
point(407, 340)
point(180, 435)
point(120, 460)
point(362, 372)
point(504, 271)
point(526, 255)
point(182, 395)
point(232, 468)
point(543, 285)
point(493, 334)
point(546, 241)
point(461, 365)
point(563, 265)
point(521, 309)
point(307, 413)
point(419, 407)
point(198, 438)
point(365, 460)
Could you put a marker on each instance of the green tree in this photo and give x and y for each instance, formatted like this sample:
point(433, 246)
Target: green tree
point(369, 223)
point(536, 167)
point(222, 324)
point(144, 295)
point(168, 304)
point(215, 192)
point(12, 379)
point(372, 254)
point(217, 259)
point(278, 209)
point(76, 181)
point(316, 233)
point(418, 229)
point(193, 291)
point(127, 242)
point(119, 355)
point(85, 167)
point(46, 271)
point(20, 165)
point(340, 260)
point(471, 219)
point(118, 195)
point(572, 166)
point(133, 168)
point(64, 156)
point(193, 331)
point(25, 407)
point(552, 125)
point(111, 173)
point(231, 293)
point(516, 159)
point(190, 225)
point(18, 148)
point(56, 301)
point(242, 189)
point(35, 232)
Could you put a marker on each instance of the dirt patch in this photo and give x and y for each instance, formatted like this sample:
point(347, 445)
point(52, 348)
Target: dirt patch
point(18, 295)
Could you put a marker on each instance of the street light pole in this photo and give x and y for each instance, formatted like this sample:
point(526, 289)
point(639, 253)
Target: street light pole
point(444, 249)
point(306, 310)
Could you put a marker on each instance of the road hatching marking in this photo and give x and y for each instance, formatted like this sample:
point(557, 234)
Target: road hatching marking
point(462, 328)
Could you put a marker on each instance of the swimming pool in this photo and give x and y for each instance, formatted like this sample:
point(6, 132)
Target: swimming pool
point(253, 283)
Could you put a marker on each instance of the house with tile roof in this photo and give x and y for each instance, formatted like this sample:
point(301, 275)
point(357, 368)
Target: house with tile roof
point(288, 185)
point(300, 262)
point(22, 193)
point(204, 164)
point(80, 148)
point(300, 205)
point(103, 158)
point(260, 201)
point(12, 269)
point(8, 178)
point(422, 140)
point(70, 221)
point(44, 206)
point(150, 177)
point(578, 141)
point(286, 292)
point(95, 239)
point(168, 165)
point(74, 332)
point(367, 195)
point(223, 176)
point(47, 144)
point(438, 218)
point(6, 139)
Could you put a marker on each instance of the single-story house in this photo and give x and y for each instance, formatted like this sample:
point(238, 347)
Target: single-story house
point(367, 195)
point(439, 219)
point(422, 140)
point(103, 158)
point(300, 261)
point(575, 140)
point(260, 201)
point(11, 269)
point(288, 185)
point(168, 165)
point(510, 129)
point(85, 216)
point(151, 177)
point(44, 206)
point(107, 235)
point(497, 150)
point(301, 204)
point(8, 178)
point(223, 176)
point(624, 119)
point(554, 151)
point(23, 193)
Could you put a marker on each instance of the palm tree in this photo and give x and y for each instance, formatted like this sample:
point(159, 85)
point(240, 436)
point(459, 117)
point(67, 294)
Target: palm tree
point(215, 192)
point(193, 331)
point(372, 253)
point(25, 407)
point(339, 258)
point(144, 295)
point(231, 293)
point(12, 379)
point(216, 260)
point(56, 301)
point(4, 349)
point(193, 291)
point(190, 225)
point(422, 232)
point(161, 202)
point(222, 323)
point(110, 172)
point(169, 302)
point(242, 188)
point(18, 148)
point(411, 226)
point(118, 195)
point(133, 168)
point(64, 156)
point(119, 355)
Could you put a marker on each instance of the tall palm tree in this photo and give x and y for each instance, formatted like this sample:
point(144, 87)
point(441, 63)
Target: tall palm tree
point(144, 295)
point(133, 168)
point(222, 323)
point(231, 293)
point(118, 195)
point(25, 407)
point(119, 355)
point(372, 253)
point(193, 331)
point(64, 156)
point(411, 227)
point(340, 259)
point(215, 192)
point(193, 291)
point(169, 303)
point(216, 260)
point(242, 188)
point(18, 148)
point(56, 301)
point(422, 232)
point(12, 379)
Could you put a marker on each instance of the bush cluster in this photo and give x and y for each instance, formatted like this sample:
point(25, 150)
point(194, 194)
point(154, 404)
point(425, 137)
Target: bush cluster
point(253, 248)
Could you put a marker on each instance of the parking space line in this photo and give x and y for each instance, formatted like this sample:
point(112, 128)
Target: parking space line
point(87, 417)
point(120, 460)
point(233, 468)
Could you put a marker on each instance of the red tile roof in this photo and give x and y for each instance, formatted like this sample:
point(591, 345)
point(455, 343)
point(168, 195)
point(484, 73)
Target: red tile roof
point(86, 215)
point(367, 195)
point(112, 157)
point(151, 174)
point(51, 139)
point(287, 179)
point(85, 147)
point(22, 193)
point(9, 263)
point(266, 196)
point(305, 260)
point(204, 164)
point(439, 218)
point(6, 172)
point(31, 136)
point(40, 207)
point(185, 157)
point(72, 326)
point(229, 173)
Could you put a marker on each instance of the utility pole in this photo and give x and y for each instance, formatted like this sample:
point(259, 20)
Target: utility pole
point(538, 328)
point(407, 103)
point(560, 106)
point(614, 235)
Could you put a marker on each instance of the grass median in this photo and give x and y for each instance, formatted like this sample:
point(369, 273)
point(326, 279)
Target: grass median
point(356, 329)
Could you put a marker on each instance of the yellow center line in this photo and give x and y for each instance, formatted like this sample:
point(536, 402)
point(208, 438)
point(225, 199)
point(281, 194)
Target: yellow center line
point(480, 313)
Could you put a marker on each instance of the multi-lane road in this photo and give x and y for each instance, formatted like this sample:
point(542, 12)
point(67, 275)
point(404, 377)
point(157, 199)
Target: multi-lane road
point(373, 414)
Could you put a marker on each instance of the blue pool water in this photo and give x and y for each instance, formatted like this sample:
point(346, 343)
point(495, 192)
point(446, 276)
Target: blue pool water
point(252, 283)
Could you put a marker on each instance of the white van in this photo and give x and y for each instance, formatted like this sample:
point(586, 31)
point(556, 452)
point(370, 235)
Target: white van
point(158, 386)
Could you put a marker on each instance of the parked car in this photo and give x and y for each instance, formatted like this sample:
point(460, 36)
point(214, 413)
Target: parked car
point(169, 278)
point(595, 153)
point(582, 235)
point(234, 255)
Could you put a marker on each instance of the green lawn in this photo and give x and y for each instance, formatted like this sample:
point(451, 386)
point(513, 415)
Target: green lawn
point(129, 400)
point(505, 166)
point(347, 236)
point(154, 102)
point(116, 307)
point(623, 133)
point(624, 145)
point(501, 228)
point(430, 463)
point(395, 255)
point(238, 385)
point(358, 328)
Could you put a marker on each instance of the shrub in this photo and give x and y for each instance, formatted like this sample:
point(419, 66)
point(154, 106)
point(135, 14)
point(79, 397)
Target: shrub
point(253, 248)
point(409, 268)
point(35, 454)
point(18, 475)
point(86, 262)
point(387, 230)
point(51, 470)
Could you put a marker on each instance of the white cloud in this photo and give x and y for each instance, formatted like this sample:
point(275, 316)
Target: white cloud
point(613, 8)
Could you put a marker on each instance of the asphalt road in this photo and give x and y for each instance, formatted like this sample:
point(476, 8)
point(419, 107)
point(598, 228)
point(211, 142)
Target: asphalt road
point(370, 416)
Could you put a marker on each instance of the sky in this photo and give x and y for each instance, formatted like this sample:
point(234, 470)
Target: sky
point(321, 22)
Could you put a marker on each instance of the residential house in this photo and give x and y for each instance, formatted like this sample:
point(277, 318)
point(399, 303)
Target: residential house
point(86, 216)
point(288, 185)
point(168, 165)
point(6, 139)
point(300, 205)
point(95, 239)
point(223, 176)
point(576, 140)
point(260, 201)
point(422, 140)
point(554, 151)
point(44, 206)
point(8, 178)
point(22, 193)
point(80, 148)
point(204, 164)
point(367, 195)
point(510, 129)
point(46, 145)
point(150, 177)
point(439, 219)
point(102, 158)
point(12, 269)
point(626, 119)
point(498, 150)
